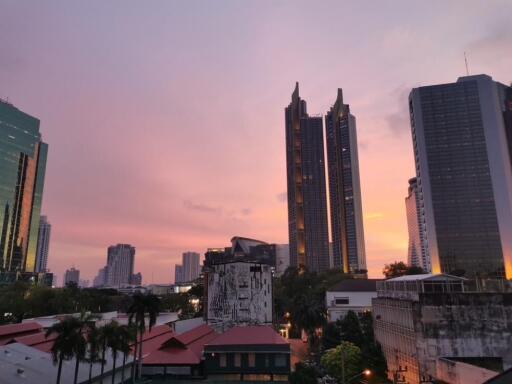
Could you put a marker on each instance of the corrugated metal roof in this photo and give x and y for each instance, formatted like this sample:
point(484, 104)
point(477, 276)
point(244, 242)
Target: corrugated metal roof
point(426, 276)
point(10, 331)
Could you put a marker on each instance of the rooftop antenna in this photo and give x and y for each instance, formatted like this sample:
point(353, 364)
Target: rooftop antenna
point(466, 61)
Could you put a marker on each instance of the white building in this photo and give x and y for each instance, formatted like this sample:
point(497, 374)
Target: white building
point(239, 293)
point(350, 295)
point(191, 266)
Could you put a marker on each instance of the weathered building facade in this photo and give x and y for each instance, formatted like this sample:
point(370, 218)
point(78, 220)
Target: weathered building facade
point(419, 319)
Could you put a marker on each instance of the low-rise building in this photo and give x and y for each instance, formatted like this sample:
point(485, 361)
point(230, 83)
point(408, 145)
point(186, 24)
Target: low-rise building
point(251, 353)
point(350, 295)
point(421, 318)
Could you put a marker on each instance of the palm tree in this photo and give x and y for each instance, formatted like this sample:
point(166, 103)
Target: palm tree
point(129, 336)
point(106, 333)
point(118, 341)
point(308, 314)
point(93, 347)
point(141, 306)
point(69, 342)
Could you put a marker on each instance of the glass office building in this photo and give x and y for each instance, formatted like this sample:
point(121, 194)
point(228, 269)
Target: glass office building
point(22, 171)
point(307, 195)
point(348, 250)
point(461, 137)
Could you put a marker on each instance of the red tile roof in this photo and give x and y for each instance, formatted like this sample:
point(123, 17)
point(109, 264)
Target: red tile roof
point(249, 335)
point(184, 349)
point(10, 331)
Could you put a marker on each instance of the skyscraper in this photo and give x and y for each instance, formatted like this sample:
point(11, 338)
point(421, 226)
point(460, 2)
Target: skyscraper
point(72, 276)
point(190, 263)
point(417, 250)
point(178, 274)
point(307, 200)
point(43, 244)
point(120, 263)
point(461, 136)
point(22, 170)
point(348, 250)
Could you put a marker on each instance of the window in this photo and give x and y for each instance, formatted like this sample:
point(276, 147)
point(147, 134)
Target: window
point(280, 360)
point(252, 360)
point(222, 360)
point(238, 360)
point(341, 300)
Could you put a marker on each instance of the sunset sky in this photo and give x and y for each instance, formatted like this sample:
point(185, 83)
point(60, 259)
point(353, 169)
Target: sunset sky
point(165, 119)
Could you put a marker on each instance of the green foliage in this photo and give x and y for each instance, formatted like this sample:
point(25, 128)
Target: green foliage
point(303, 374)
point(20, 300)
point(351, 329)
point(343, 362)
point(399, 268)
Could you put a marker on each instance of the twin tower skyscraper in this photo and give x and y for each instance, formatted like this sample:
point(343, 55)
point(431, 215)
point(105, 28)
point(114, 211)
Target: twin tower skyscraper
point(307, 188)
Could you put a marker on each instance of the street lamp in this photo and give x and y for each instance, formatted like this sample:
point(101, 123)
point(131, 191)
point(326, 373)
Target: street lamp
point(366, 373)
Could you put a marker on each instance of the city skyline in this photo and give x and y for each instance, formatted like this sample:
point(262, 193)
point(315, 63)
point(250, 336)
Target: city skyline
point(143, 134)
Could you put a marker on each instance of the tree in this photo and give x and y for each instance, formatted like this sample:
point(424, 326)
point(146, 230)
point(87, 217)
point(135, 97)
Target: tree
point(343, 362)
point(331, 336)
point(351, 329)
point(117, 338)
point(69, 342)
point(308, 314)
point(93, 347)
point(399, 268)
point(303, 374)
point(141, 306)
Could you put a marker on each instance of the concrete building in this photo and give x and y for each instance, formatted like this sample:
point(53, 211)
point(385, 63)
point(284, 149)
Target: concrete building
point(417, 252)
point(282, 258)
point(465, 371)
point(72, 276)
point(136, 279)
point(43, 244)
point(191, 265)
point(238, 293)
point(22, 173)
point(178, 274)
point(307, 198)
point(421, 318)
point(462, 136)
point(243, 249)
point(347, 233)
point(120, 264)
point(350, 295)
point(101, 278)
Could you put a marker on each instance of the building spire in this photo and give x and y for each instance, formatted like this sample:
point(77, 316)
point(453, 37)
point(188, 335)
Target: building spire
point(295, 94)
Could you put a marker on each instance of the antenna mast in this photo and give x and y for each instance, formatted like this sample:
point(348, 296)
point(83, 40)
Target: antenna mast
point(466, 61)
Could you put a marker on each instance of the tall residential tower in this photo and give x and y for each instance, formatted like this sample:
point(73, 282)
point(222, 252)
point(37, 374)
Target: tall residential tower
point(22, 170)
point(417, 249)
point(43, 244)
point(307, 201)
point(348, 250)
point(462, 135)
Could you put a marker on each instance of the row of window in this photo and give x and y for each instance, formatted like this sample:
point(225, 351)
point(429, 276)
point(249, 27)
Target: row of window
point(279, 359)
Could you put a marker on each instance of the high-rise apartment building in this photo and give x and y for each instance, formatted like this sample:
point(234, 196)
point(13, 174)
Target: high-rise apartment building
point(101, 278)
point(72, 276)
point(178, 274)
point(43, 244)
point(120, 263)
point(22, 171)
point(307, 200)
point(417, 249)
point(191, 265)
point(347, 233)
point(462, 135)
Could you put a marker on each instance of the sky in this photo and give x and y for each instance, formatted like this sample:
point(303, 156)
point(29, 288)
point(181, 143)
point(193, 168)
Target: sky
point(165, 119)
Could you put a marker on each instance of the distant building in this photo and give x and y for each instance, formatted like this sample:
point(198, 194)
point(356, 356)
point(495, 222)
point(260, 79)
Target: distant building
point(120, 264)
point(22, 172)
point(307, 196)
point(348, 251)
point(178, 274)
point(238, 293)
point(350, 295)
point(136, 279)
point(72, 276)
point(462, 136)
point(43, 244)
point(282, 258)
point(417, 253)
point(101, 278)
point(419, 319)
point(191, 265)
point(83, 283)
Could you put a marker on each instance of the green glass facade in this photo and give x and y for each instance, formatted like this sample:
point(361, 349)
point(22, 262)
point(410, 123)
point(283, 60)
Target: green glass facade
point(22, 170)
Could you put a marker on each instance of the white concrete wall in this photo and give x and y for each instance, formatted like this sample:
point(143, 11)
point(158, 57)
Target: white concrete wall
point(358, 302)
point(455, 372)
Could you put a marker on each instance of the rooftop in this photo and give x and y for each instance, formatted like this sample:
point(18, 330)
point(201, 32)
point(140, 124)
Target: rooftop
point(10, 331)
point(355, 285)
point(427, 276)
point(249, 335)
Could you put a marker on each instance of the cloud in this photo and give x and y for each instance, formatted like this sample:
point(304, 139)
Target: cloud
point(246, 211)
point(398, 121)
point(201, 207)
